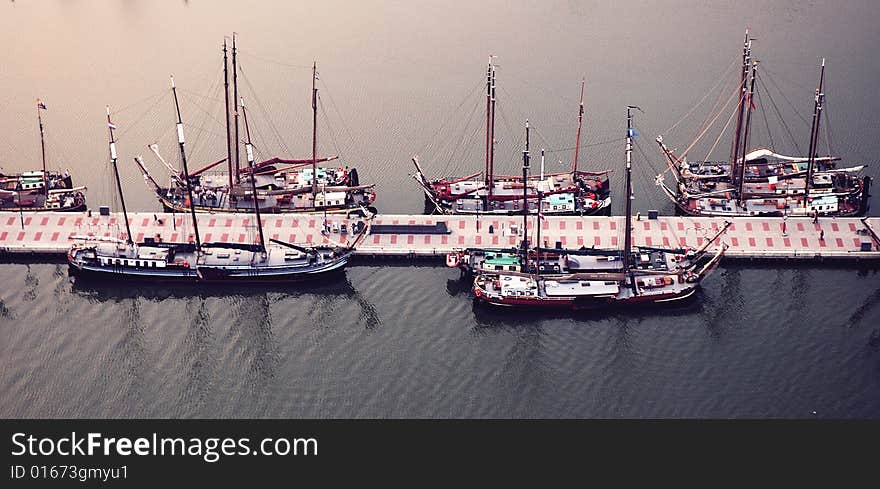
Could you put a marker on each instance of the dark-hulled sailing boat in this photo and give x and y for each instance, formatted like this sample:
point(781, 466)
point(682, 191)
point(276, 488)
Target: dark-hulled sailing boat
point(283, 185)
point(762, 182)
point(41, 190)
point(631, 285)
point(543, 259)
point(576, 192)
point(203, 262)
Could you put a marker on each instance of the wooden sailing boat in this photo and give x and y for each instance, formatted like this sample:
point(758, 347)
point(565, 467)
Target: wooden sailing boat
point(762, 182)
point(630, 286)
point(41, 190)
point(195, 261)
point(284, 185)
point(569, 193)
point(541, 259)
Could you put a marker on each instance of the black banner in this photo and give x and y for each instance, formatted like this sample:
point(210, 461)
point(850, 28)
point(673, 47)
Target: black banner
point(51, 453)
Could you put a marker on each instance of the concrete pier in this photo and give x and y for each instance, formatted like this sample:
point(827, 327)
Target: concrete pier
point(749, 238)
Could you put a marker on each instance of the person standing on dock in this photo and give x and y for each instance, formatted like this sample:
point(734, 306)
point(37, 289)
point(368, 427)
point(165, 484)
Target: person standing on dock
point(815, 216)
point(821, 235)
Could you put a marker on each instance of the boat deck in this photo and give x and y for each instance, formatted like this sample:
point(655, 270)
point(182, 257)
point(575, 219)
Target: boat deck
point(749, 238)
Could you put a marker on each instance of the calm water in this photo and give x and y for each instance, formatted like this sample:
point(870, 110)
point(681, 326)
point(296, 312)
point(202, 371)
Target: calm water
point(403, 78)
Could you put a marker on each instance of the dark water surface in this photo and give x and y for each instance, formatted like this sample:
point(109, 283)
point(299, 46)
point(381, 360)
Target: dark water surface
point(403, 78)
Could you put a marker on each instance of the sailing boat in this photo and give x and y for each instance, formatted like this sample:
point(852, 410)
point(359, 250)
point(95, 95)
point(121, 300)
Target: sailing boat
point(569, 193)
point(41, 190)
point(632, 285)
point(762, 182)
point(541, 259)
point(198, 262)
point(284, 185)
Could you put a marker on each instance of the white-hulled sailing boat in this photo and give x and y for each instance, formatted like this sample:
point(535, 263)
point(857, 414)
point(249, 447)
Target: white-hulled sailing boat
point(630, 286)
point(284, 185)
point(576, 192)
point(762, 182)
point(41, 190)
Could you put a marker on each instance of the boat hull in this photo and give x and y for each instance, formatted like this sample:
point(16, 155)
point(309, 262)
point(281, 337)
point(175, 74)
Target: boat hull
point(586, 303)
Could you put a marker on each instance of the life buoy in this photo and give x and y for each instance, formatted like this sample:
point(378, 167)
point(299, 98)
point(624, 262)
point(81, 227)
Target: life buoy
point(452, 260)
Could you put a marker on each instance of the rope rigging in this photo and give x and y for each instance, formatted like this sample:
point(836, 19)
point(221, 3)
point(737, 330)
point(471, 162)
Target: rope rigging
point(779, 115)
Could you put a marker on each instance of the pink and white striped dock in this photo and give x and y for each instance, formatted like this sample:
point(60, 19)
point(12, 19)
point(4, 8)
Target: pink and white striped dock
point(756, 238)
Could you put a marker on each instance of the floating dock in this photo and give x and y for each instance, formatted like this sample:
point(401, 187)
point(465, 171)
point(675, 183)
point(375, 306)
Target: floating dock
point(415, 236)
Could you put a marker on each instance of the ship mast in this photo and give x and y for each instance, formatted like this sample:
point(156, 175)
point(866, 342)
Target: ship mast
point(734, 157)
point(40, 107)
point(577, 144)
point(314, 131)
point(488, 123)
point(627, 240)
point(235, 115)
point(492, 139)
point(538, 236)
point(249, 151)
point(113, 159)
point(229, 161)
point(741, 176)
point(181, 143)
point(525, 240)
point(814, 133)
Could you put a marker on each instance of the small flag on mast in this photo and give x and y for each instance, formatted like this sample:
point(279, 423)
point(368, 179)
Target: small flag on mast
point(110, 124)
point(317, 75)
point(40, 104)
point(632, 132)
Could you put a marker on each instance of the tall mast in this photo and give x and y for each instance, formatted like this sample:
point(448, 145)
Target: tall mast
point(492, 139)
point(627, 240)
point(577, 144)
point(249, 151)
point(314, 130)
point(814, 132)
point(538, 235)
point(734, 156)
point(40, 107)
point(235, 115)
point(113, 158)
point(525, 241)
point(741, 176)
point(229, 162)
point(181, 143)
point(488, 123)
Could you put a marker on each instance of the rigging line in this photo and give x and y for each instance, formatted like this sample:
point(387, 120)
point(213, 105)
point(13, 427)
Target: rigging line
point(157, 94)
point(723, 130)
point(779, 116)
point(269, 60)
point(330, 128)
point(461, 141)
point(194, 94)
point(591, 145)
point(703, 133)
point(827, 126)
point(139, 118)
point(513, 77)
point(345, 127)
point(766, 122)
point(215, 86)
point(452, 113)
point(462, 144)
point(769, 77)
point(263, 111)
point(711, 90)
point(717, 106)
point(645, 156)
point(523, 116)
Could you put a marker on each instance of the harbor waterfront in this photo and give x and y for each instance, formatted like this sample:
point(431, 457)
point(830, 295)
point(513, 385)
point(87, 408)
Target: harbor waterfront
point(434, 236)
point(788, 326)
